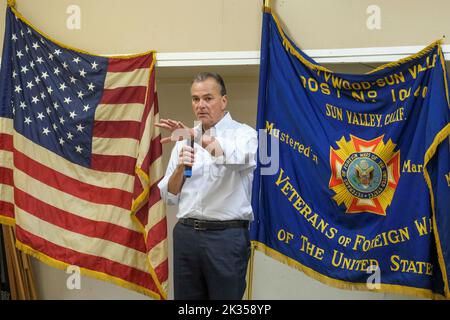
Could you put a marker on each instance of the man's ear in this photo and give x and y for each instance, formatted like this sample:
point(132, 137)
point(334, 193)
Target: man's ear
point(224, 102)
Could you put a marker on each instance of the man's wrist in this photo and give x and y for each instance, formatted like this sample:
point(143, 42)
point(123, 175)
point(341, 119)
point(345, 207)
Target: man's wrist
point(179, 169)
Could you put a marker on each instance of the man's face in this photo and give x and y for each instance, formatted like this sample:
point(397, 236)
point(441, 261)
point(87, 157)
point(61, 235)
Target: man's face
point(207, 102)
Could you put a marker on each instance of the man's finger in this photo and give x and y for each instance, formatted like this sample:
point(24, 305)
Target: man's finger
point(173, 123)
point(182, 125)
point(163, 125)
point(188, 155)
point(187, 148)
point(187, 161)
point(166, 140)
point(168, 122)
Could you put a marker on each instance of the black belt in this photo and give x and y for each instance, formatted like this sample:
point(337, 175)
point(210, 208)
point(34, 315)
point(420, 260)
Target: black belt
point(213, 225)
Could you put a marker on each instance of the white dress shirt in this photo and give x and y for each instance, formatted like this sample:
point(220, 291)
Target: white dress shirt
point(220, 187)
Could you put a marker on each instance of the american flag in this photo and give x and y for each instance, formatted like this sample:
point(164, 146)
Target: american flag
point(80, 159)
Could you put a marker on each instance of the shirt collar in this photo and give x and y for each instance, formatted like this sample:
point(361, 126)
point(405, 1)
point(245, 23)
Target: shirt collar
point(219, 127)
point(223, 123)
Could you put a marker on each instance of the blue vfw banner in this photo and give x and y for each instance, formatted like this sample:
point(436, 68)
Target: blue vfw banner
point(359, 197)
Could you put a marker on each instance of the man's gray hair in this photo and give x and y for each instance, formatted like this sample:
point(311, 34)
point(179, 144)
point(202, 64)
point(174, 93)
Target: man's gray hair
point(202, 76)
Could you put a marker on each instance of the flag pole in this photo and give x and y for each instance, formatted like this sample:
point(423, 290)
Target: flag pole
point(250, 273)
point(266, 5)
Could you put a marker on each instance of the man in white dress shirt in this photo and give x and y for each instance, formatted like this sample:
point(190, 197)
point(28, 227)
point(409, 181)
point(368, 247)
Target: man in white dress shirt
point(211, 240)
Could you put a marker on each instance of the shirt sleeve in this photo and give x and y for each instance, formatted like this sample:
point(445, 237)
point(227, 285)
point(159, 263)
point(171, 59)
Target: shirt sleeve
point(163, 185)
point(239, 149)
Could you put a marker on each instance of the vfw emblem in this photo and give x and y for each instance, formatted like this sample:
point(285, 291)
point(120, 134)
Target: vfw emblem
point(364, 174)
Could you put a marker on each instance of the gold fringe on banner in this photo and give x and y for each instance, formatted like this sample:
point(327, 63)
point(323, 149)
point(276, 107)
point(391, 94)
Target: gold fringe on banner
point(12, 3)
point(313, 66)
point(438, 139)
point(340, 284)
point(417, 55)
point(20, 274)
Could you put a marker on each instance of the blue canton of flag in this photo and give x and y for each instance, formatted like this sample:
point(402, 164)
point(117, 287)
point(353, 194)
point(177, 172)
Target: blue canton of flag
point(55, 94)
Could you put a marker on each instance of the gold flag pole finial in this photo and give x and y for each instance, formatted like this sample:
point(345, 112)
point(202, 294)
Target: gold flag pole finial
point(266, 6)
point(12, 3)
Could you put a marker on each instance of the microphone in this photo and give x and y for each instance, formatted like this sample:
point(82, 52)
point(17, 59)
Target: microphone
point(188, 169)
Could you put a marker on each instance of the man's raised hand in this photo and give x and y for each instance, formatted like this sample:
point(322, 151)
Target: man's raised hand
point(178, 130)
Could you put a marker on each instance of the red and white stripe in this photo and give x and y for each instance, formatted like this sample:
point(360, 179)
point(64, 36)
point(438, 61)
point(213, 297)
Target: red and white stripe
point(6, 172)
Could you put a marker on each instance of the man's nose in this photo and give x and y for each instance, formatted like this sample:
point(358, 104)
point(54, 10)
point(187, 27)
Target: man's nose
point(201, 104)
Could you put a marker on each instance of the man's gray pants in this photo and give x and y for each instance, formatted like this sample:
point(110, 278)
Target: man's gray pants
point(210, 264)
